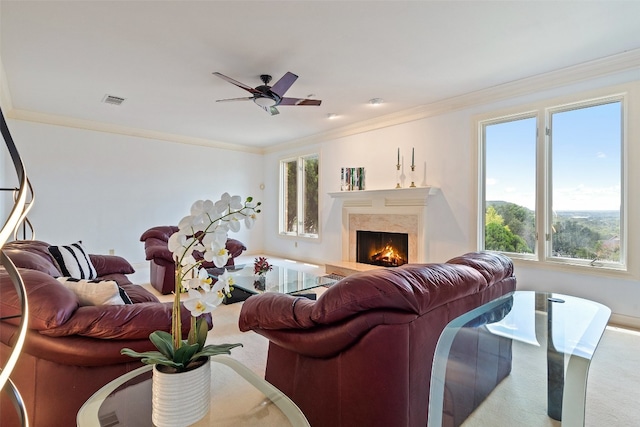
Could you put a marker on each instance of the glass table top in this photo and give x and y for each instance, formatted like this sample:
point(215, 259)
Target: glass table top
point(239, 397)
point(280, 279)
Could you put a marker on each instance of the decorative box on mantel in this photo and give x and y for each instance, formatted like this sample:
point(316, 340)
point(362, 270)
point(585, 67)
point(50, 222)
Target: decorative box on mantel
point(402, 210)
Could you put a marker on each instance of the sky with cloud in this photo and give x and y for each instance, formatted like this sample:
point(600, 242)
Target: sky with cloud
point(586, 153)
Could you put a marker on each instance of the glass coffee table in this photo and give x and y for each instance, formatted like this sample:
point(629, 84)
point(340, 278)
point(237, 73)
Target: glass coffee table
point(239, 398)
point(280, 279)
point(553, 338)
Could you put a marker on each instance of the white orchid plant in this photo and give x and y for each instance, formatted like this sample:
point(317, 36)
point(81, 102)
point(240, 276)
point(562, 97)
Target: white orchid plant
point(205, 231)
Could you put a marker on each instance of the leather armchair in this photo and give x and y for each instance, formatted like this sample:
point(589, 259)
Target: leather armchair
point(362, 353)
point(162, 268)
point(71, 351)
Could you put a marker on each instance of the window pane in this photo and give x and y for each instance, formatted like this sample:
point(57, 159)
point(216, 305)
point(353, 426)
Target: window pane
point(586, 148)
point(290, 188)
point(510, 186)
point(311, 195)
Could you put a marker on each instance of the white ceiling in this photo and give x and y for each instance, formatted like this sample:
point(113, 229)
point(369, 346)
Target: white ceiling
point(62, 58)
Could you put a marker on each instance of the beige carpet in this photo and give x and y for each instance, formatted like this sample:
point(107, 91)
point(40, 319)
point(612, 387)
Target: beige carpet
point(613, 390)
point(613, 387)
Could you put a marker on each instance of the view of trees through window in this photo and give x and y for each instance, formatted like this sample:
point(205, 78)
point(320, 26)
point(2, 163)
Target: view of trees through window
point(584, 198)
point(300, 196)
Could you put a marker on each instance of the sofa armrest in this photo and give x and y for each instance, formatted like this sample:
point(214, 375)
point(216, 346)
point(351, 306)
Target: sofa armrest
point(132, 321)
point(276, 311)
point(111, 264)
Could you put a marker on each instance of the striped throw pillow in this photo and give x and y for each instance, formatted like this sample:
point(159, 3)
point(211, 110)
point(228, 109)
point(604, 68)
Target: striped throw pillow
point(73, 261)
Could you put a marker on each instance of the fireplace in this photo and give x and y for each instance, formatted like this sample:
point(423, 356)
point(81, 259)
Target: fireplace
point(382, 248)
point(393, 211)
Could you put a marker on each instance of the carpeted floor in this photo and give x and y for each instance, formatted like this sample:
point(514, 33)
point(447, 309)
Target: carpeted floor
point(613, 387)
point(613, 390)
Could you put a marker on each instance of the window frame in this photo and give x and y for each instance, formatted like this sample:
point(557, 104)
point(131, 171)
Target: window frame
point(543, 208)
point(300, 195)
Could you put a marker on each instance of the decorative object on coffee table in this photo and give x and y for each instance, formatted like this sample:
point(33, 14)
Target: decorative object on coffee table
point(260, 269)
point(204, 230)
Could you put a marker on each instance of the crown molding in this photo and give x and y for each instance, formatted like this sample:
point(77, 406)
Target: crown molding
point(601, 67)
point(71, 122)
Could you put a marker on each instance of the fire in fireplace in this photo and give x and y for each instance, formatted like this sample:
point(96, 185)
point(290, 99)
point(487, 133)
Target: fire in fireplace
point(382, 248)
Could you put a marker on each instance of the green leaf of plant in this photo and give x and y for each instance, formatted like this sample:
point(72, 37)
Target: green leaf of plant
point(213, 349)
point(164, 343)
point(132, 353)
point(185, 354)
point(202, 329)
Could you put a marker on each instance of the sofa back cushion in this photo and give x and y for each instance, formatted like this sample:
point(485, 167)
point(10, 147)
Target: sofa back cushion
point(413, 288)
point(32, 261)
point(31, 254)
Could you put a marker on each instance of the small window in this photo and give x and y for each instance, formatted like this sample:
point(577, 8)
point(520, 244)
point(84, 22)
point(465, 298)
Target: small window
point(299, 191)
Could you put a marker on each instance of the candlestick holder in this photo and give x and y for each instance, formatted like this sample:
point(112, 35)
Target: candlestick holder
point(413, 174)
point(398, 176)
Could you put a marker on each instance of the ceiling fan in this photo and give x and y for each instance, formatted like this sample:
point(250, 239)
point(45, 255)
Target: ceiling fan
point(269, 97)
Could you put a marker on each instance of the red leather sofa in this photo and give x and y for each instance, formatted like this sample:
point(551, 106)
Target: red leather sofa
point(162, 270)
point(70, 351)
point(361, 354)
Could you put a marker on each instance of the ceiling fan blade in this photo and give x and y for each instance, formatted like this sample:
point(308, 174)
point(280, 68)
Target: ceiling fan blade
point(300, 101)
point(248, 98)
point(235, 82)
point(284, 84)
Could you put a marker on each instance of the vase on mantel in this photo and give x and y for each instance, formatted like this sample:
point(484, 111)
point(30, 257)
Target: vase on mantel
point(180, 398)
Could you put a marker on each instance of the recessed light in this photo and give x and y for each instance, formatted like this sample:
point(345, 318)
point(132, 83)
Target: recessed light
point(376, 101)
point(331, 116)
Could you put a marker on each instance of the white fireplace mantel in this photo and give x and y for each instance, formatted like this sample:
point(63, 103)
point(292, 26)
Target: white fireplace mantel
point(416, 196)
point(395, 210)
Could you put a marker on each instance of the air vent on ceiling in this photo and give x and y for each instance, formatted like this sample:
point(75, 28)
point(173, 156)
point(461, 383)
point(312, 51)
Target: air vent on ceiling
point(114, 100)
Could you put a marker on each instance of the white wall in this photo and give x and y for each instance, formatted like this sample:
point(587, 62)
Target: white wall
point(107, 189)
point(447, 144)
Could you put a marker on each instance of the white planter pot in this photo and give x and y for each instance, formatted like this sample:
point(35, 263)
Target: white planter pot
point(180, 399)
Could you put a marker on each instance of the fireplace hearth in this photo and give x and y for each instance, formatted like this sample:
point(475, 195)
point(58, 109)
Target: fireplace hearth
point(382, 248)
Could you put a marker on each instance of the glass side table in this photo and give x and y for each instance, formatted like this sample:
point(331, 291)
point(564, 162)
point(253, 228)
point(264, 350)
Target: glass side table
point(554, 338)
point(239, 397)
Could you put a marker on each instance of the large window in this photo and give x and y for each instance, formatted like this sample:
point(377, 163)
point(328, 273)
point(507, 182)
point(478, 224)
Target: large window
point(552, 184)
point(299, 191)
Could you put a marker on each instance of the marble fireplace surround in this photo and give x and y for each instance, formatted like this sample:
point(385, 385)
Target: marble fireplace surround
point(402, 210)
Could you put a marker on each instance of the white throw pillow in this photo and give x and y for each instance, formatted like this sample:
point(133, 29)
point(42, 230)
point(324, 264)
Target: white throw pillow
point(73, 261)
point(95, 292)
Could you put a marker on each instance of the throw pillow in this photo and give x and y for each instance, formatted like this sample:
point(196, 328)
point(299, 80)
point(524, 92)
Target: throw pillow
point(96, 292)
point(73, 261)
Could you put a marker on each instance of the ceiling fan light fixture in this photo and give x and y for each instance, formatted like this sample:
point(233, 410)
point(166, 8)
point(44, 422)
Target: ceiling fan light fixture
point(264, 101)
point(376, 101)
